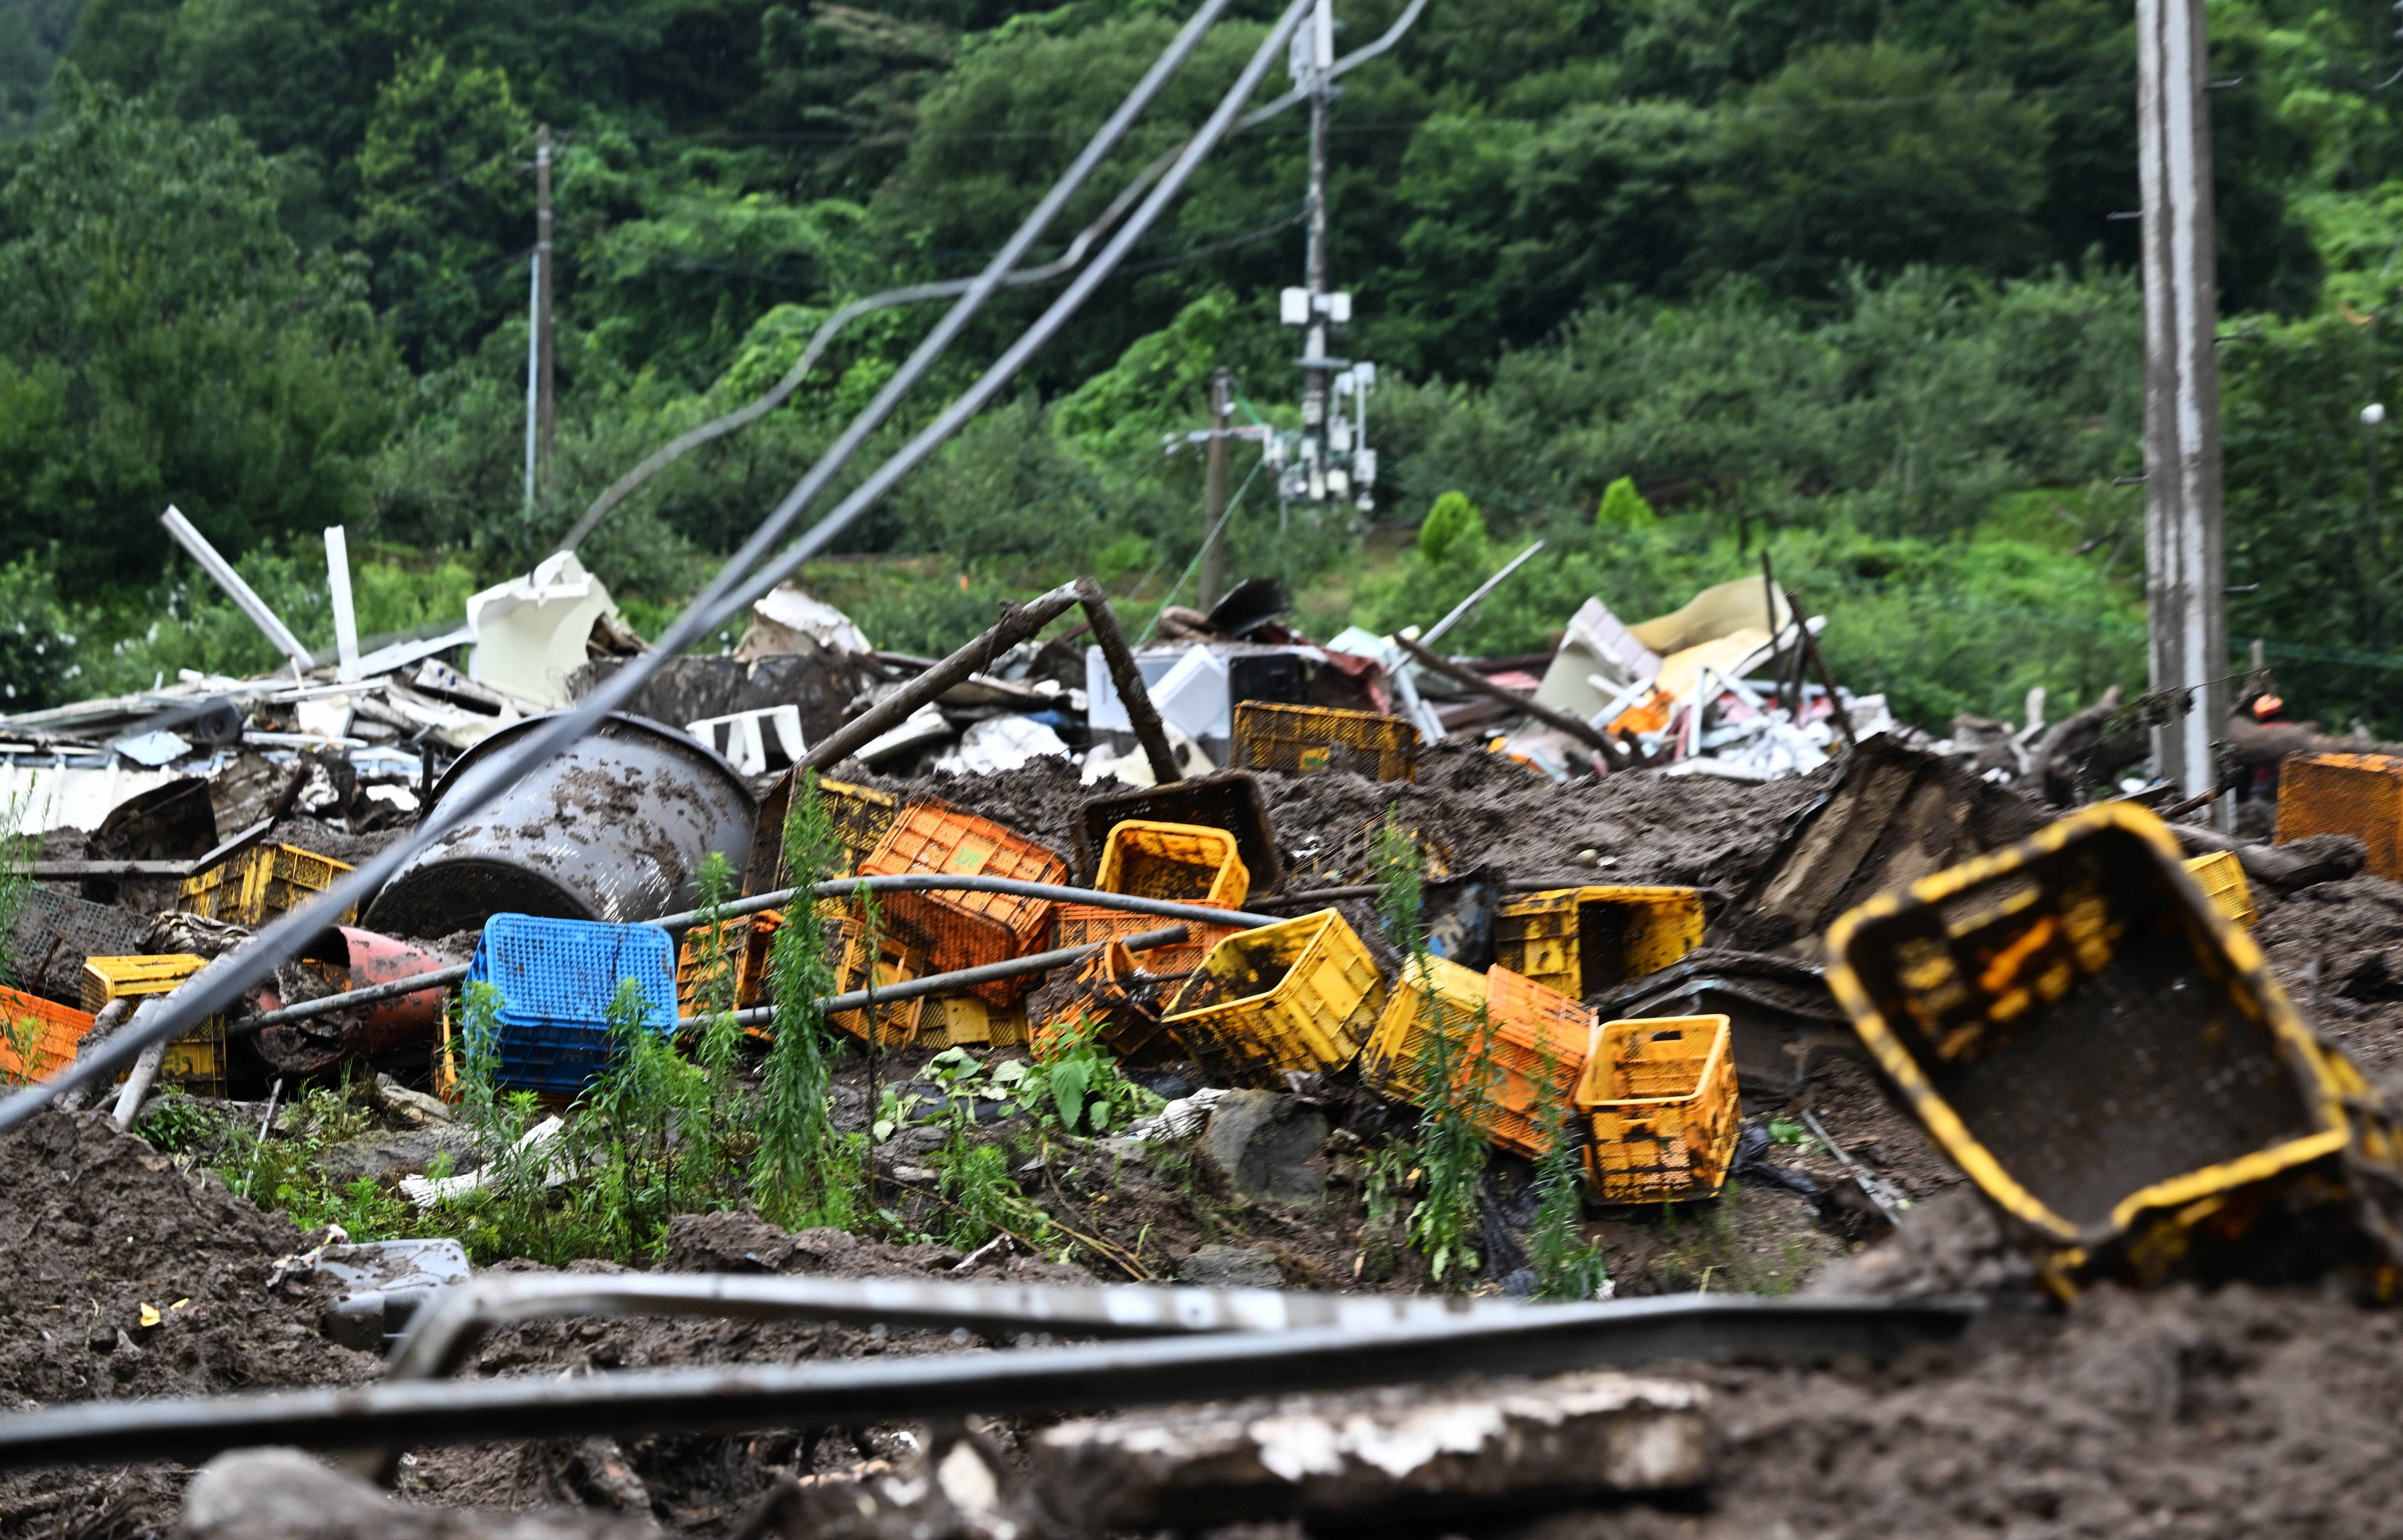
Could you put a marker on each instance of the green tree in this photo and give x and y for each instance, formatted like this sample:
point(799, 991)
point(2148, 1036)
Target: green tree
point(189, 354)
point(1454, 522)
point(443, 202)
point(1874, 156)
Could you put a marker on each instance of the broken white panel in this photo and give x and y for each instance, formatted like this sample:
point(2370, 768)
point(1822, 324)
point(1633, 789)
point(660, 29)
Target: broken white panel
point(155, 748)
point(1105, 711)
point(270, 624)
point(1002, 743)
point(922, 726)
point(346, 620)
point(786, 620)
point(742, 737)
point(1596, 643)
point(37, 797)
point(401, 654)
point(531, 630)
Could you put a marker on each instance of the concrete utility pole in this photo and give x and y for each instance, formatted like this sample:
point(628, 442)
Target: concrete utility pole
point(1214, 498)
point(545, 403)
point(2185, 567)
point(1318, 35)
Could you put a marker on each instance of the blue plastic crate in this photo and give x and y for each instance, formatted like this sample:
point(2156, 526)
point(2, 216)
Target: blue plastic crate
point(556, 979)
point(569, 970)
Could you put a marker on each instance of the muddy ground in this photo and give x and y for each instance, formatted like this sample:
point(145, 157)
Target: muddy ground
point(2247, 1412)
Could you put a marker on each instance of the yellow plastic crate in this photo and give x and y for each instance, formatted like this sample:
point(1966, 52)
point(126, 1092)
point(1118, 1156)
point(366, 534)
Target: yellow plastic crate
point(107, 978)
point(1394, 1062)
point(2355, 794)
point(2105, 1056)
point(256, 885)
point(1581, 941)
point(1310, 740)
point(1296, 995)
point(896, 962)
point(1660, 1098)
point(952, 1019)
point(1184, 863)
point(197, 1062)
point(2221, 877)
point(743, 946)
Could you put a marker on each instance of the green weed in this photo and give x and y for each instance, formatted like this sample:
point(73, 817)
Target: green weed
point(1567, 1265)
point(793, 1174)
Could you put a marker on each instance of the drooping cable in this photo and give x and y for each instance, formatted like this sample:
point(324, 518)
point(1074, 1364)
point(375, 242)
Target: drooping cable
point(207, 997)
point(833, 326)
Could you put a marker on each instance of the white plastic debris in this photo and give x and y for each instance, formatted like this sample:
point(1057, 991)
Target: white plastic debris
point(786, 620)
point(531, 630)
point(427, 1191)
point(153, 748)
point(1002, 743)
point(1181, 1119)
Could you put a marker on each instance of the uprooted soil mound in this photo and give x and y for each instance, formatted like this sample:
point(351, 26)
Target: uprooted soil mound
point(96, 1229)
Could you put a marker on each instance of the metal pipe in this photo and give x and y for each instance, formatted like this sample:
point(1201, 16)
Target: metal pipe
point(947, 983)
point(1530, 1339)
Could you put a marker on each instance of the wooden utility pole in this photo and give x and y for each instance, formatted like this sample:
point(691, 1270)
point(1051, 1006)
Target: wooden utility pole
point(545, 403)
point(2185, 568)
point(1213, 497)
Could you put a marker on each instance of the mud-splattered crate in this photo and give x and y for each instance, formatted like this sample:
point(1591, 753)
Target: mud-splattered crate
point(1184, 863)
point(2221, 878)
point(742, 949)
point(37, 1038)
point(556, 981)
point(899, 1023)
point(1533, 1048)
point(1300, 994)
point(197, 1061)
point(2355, 794)
point(964, 929)
point(2098, 1048)
point(1581, 941)
point(1310, 740)
point(1658, 1098)
point(254, 886)
point(1087, 924)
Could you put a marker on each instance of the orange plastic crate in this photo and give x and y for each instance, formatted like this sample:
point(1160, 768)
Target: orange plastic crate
point(1661, 1096)
point(49, 1031)
point(966, 930)
point(2355, 794)
point(1084, 925)
point(1526, 1022)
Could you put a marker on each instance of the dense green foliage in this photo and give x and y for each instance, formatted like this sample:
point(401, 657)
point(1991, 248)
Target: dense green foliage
point(1845, 277)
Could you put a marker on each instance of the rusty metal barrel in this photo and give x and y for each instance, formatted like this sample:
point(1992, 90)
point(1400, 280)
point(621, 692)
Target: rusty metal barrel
point(614, 828)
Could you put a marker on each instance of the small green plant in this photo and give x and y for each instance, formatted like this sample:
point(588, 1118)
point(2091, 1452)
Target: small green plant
point(1785, 1130)
point(794, 1178)
point(1074, 1084)
point(1622, 507)
point(720, 1130)
point(23, 1034)
point(1454, 522)
point(635, 1122)
point(1458, 1078)
point(1567, 1265)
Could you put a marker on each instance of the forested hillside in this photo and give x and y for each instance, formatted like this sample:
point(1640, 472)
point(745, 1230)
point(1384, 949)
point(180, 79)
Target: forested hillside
point(1852, 279)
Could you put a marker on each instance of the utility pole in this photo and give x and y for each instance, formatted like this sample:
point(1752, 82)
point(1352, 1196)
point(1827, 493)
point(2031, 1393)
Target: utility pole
point(2185, 566)
point(1332, 461)
point(1319, 36)
point(1213, 497)
point(546, 394)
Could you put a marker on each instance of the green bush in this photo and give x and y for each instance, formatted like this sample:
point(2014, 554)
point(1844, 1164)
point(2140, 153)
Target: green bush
point(1452, 520)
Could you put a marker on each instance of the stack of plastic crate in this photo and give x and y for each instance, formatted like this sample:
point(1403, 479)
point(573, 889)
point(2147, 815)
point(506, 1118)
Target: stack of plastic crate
point(556, 981)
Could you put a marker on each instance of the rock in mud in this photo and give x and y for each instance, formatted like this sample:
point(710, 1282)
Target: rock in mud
point(1232, 1268)
point(1264, 1143)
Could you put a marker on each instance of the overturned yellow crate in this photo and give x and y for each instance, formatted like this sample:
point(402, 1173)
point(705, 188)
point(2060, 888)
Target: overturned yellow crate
point(953, 1020)
point(1300, 994)
point(2221, 877)
point(1181, 862)
point(1314, 740)
point(1581, 941)
point(196, 1061)
point(897, 1024)
point(1659, 1095)
point(256, 885)
point(1393, 1063)
point(2099, 1049)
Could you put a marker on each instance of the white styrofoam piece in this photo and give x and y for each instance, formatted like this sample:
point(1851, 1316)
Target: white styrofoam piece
point(1193, 695)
